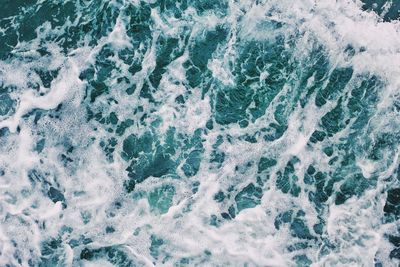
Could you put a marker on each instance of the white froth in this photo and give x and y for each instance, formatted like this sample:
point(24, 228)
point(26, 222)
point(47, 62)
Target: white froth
point(91, 183)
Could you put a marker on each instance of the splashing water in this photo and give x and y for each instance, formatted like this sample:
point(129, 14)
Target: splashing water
point(199, 133)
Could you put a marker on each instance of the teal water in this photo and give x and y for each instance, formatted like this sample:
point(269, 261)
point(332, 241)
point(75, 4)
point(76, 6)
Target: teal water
point(199, 133)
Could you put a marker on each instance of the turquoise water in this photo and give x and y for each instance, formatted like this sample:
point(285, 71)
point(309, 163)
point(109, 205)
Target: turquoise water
point(199, 133)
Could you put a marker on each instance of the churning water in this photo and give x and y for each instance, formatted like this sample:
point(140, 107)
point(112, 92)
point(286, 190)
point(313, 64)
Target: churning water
point(199, 133)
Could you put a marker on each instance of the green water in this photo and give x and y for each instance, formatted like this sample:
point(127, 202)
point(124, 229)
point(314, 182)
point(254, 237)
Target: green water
point(199, 133)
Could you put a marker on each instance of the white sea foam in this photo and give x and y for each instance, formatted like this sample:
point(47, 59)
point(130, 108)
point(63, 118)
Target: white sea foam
point(91, 183)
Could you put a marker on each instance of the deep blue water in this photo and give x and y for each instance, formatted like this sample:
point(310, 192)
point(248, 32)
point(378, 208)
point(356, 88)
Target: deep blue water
point(199, 133)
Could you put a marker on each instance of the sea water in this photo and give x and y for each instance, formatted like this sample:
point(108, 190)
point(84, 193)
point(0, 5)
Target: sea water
point(199, 133)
